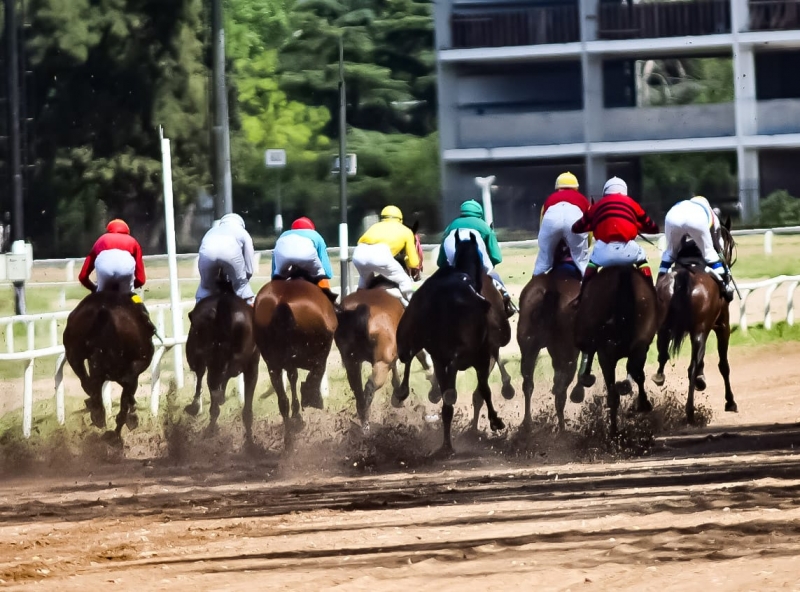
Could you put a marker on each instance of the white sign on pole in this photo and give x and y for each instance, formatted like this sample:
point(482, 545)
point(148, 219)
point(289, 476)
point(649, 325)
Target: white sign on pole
point(276, 157)
point(351, 163)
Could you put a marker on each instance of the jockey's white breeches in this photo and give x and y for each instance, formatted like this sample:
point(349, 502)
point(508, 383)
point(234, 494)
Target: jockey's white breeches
point(222, 253)
point(372, 260)
point(688, 218)
point(464, 233)
point(556, 225)
point(617, 253)
point(293, 250)
point(115, 270)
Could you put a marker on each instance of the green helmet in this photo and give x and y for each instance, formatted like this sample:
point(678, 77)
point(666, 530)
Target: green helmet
point(471, 209)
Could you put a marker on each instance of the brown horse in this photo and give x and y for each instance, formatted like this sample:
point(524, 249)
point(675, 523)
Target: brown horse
point(617, 318)
point(458, 317)
point(367, 332)
point(692, 304)
point(547, 320)
point(294, 324)
point(222, 341)
point(108, 338)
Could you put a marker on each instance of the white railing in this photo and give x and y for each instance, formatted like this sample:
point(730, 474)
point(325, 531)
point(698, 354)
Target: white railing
point(770, 285)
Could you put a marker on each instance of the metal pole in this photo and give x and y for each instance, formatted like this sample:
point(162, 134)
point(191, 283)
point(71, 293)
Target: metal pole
point(172, 260)
point(223, 202)
point(12, 71)
point(278, 208)
point(344, 255)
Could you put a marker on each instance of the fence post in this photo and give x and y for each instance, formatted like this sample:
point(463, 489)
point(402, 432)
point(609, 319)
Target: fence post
point(240, 388)
point(70, 270)
point(27, 400)
point(743, 310)
point(106, 393)
point(768, 306)
point(768, 242)
point(60, 413)
point(155, 381)
point(790, 303)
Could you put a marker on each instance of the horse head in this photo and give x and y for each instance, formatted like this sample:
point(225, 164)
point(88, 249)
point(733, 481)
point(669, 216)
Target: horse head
point(727, 243)
point(467, 259)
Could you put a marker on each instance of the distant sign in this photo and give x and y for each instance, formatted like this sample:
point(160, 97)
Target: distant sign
point(351, 163)
point(276, 157)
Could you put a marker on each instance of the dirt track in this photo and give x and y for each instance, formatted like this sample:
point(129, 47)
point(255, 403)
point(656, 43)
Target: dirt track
point(711, 509)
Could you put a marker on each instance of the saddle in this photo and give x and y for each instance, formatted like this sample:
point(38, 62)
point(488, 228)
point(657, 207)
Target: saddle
point(297, 274)
point(689, 256)
point(563, 262)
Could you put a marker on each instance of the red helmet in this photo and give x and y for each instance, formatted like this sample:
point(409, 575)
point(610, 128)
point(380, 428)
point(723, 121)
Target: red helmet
point(118, 226)
point(303, 224)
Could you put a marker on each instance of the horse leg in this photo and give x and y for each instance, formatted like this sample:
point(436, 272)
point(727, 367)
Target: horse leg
point(196, 406)
point(292, 376)
point(353, 369)
point(250, 380)
point(527, 368)
point(380, 372)
point(723, 337)
point(446, 375)
point(216, 387)
point(310, 390)
point(507, 389)
point(564, 367)
point(698, 352)
point(401, 393)
point(92, 388)
point(434, 394)
point(635, 369)
point(662, 343)
point(585, 376)
point(700, 379)
point(276, 378)
point(477, 406)
point(608, 366)
point(127, 412)
point(483, 373)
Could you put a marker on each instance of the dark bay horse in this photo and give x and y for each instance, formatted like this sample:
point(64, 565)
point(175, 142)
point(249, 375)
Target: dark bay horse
point(458, 317)
point(294, 324)
point(547, 320)
point(692, 304)
point(617, 318)
point(367, 333)
point(222, 341)
point(108, 338)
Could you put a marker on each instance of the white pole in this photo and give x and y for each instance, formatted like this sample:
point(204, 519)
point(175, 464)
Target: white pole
point(768, 242)
point(174, 289)
point(344, 257)
point(485, 183)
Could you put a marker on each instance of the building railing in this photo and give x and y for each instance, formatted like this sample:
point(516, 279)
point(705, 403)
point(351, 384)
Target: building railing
point(774, 15)
point(648, 20)
point(503, 28)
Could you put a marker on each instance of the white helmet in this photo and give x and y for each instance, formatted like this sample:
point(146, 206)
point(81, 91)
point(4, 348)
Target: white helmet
point(615, 185)
point(703, 202)
point(233, 219)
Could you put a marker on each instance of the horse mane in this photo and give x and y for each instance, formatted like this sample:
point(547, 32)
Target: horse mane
point(729, 250)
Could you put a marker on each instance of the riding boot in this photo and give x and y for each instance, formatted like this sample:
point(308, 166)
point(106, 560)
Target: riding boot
point(727, 287)
point(140, 305)
point(325, 285)
point(510, 307)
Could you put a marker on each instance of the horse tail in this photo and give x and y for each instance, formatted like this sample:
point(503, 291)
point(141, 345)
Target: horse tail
point(679, 314)
point(282, 320)
point(625, 306)
point(100, 324)
point(354, 323)
point(223, 322)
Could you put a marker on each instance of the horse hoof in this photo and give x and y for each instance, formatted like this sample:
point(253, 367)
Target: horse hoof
point(132, 421)
point(450, 397)
point(700, 383)
point(397, 402)
point(659, 379)
point(497, 424)
point(624, 387)
point(587, 380)
point(577, 394)
point(113, 438)
point(731, 407)
point(507, 391)
point(645, 406)
point(192, 409)
point(98, 417)
point(434, 395)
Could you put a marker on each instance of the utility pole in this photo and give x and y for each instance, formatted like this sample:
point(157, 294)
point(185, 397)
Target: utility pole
point(15, 171)
point(223, 200)
point(344, 254)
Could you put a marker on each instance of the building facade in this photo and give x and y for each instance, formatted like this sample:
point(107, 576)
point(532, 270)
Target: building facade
point(530, 88)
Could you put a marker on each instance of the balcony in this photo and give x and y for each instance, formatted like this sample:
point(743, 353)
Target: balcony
point(774, 15)
point(492, 27)
point(519, 129)
point(668, 123)
point(648, 20)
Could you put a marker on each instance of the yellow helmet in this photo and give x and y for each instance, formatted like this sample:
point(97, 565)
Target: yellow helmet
point(390, 212)
point(567, 181)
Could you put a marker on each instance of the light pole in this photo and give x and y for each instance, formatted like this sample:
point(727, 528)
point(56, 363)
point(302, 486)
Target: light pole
point(344, 254)
point(223, 200)
point(276, 158)
point(485, 183)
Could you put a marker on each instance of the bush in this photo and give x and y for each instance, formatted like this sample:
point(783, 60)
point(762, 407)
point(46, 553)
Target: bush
point(780, 209)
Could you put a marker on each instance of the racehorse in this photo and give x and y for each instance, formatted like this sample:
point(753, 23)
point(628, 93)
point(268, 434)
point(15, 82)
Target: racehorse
point(547, 320)
point(367, 332)
point(458, 317)
point(294, 325)
point(692, 303)
point(108, 338)
point(222, 341)
point(617, 318)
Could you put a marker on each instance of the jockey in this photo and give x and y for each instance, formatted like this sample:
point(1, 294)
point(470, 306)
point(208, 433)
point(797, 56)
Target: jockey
point(377, 248)
point(696, 219)
point(226, 248)
point(559, 212)
point(117, 259)
point(472, 221)
point(304, 248)
point(616, 221)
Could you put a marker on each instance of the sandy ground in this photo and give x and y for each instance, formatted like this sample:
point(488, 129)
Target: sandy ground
point(713, 508)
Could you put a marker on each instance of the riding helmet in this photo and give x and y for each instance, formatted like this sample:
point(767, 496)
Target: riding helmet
point(614, 186)
point(391, 212)
point(567, 181)
point(471, 209)
point(118, 226)
point(303, 224)
point(232, 219)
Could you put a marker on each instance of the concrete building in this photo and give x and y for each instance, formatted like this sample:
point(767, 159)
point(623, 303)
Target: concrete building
point(529, 88)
